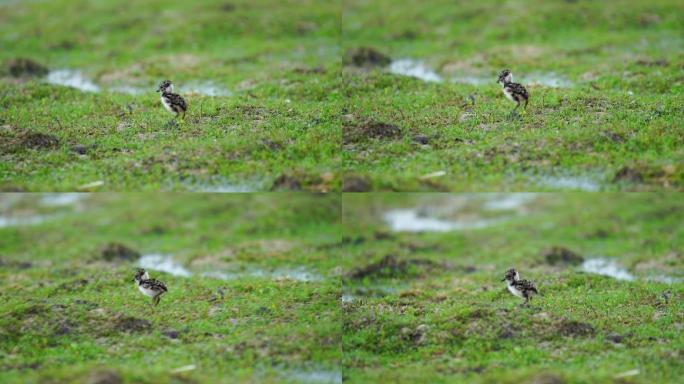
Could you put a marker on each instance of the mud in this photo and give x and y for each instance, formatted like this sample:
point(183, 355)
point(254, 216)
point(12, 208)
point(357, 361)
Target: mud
point(38, 140)
point(118, 252)
point(22, 67)
point(131, 324)
point(391, 266)
point(571, 328)
point(561, 256)
point(103, 376)
point(365, 57)
point(360, 131)
point(351, 183)
point(287, 183)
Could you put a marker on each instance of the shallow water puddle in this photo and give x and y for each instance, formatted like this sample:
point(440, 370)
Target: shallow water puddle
point(166, 263)
point(76, 79)
point(414, 68)
point(73, 79)
point(206, 88)
point(550, 80)
point(508, 201)
point(215, 185)
point(567, 182)
point(418, 69)
point(464, 212)
point(295, 274)
point(10, 221)
point(411, 220)
point(61, 199)
point(314, 376)
point(606, 267)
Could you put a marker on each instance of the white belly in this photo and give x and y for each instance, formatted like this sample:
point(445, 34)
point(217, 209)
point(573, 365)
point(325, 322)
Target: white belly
point(509, 95)
point(147, 292)
point(515, 291)
point(167, 105)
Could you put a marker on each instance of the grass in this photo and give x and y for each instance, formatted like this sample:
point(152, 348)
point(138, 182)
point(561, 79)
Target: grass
point(277, 62)
point(67, 314)
point(615, 125)
point(292, 116)
point(430, 306)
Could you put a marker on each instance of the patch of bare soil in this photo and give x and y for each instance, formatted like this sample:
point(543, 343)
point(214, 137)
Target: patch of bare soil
point(30, 140)
point(365, 57)
point(103, 376)
point(351, 183)
point(353, 132)
point(665, 175)
point(391, 266)
point(574, 328)
point(119, 252)
point(287, 183)
point(22, 67)
point(561, 256)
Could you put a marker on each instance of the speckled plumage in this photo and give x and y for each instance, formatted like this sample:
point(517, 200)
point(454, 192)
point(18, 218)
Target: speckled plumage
point(149, 287)
point(513, 91)
point(173, 102)
point(524, 289)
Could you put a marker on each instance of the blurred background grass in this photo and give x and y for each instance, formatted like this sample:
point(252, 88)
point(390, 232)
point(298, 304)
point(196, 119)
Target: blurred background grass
point(257, 301)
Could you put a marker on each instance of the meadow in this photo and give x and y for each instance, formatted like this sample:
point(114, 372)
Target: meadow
point(78, 108)
point(423, 298)
point(423, 111)
point(253, 288)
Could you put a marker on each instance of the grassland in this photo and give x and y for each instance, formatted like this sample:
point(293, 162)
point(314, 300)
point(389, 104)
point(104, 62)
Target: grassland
point(261, 79)
point(69, 311)
point(431, 307)
point(606, 88)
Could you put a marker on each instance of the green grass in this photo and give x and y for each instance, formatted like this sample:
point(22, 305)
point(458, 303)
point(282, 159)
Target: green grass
point(71, 316)
point(279, 62)
point(439, 312)
point(616, 126)
point(618, 123)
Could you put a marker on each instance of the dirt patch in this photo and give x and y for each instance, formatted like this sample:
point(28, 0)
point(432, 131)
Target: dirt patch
point(286, 182)
point(119, 252)
point(666, 175)
point(309, 71)
point(227, 7)
point(547, 378)
point(391, 266)
point(356, 132)
point(36, 140)
point(73, 285)
point(104, 377)
point(131, 324)
point(365, 57)
point(561, 256)
point(653, 63)
point(574, 328)
point(15, 264)
point(628, 174)
point(22, 67)
point(353, 183)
